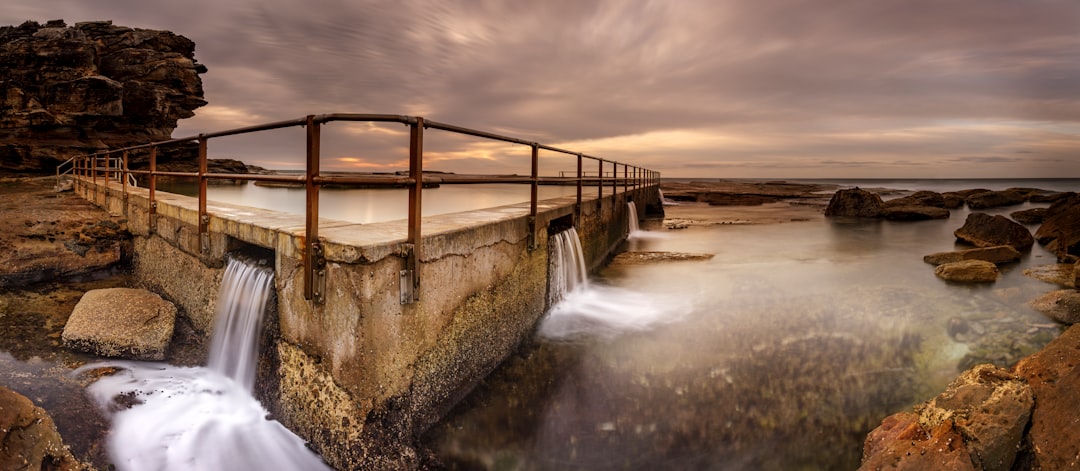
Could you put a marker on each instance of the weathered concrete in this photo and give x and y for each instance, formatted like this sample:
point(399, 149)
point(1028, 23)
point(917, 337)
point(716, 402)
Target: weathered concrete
point(361, 375)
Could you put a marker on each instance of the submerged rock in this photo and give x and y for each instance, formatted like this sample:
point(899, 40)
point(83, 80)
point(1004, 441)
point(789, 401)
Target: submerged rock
point(968, 271)
point(28, 437)
point(1061, 305)
point(855, 202)
point(998, 254)
point(121, 322)
point(984, 230)
point(1062, 274)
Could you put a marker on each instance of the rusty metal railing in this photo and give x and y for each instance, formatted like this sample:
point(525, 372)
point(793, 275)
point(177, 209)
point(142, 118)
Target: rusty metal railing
point(607, 175)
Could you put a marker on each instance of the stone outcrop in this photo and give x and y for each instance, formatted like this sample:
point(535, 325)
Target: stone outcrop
point(968, 271)
point(855, 202)
point(994, 199)
point(977, 423)
point(984, 230)
point(1060, 231)
point(1061, 305)
point(1029, 216)
point(28, 437)
point(1054, 377)
point(996, 255)
point(121, 322)
point(71, 90)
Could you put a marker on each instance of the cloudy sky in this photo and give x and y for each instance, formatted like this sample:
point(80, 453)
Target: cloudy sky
point(720, 88)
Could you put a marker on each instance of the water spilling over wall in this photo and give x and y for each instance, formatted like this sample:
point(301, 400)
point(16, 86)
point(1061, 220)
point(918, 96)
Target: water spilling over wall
point(567, 265)
point(234, 348)
point(631, 217)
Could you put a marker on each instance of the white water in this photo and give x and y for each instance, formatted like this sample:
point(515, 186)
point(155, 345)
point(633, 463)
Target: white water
point(580, 308)
point(632, 218)
point(202, 418)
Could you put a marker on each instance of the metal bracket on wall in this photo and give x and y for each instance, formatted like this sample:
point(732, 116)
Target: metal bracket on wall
point(409, 279)
point(318, 273)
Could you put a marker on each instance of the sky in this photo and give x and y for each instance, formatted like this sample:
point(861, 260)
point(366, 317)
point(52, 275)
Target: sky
point(710, 88)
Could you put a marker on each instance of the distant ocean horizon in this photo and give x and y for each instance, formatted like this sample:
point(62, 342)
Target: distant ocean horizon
point(919, 184)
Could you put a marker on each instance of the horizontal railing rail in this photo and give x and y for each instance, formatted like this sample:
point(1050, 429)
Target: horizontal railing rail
point(112, 165)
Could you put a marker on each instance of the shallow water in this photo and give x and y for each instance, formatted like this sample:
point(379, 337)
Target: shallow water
point(781, 352)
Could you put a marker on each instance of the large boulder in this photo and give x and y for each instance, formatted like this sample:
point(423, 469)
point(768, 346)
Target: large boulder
point(968, 271)
point(72, 90)
point(28, 437)
point(994, 199)
point(1061, 305)
point(1060, 231)
point(996, 255)
point(121, 322)
point(1029, 216)
point(984, 230)
point(855, 202)
point(1054, 376)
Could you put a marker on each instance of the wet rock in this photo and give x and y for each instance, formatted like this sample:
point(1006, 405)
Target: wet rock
point(1029, 216)
point(855, 202)
point(914, 213)
point(1050, 197)
point(28, 437)
point(990, 407)
point(121, 322)
point(919, 198)
point(1060, 231)
point(1062, 274)
point(984, 230)
point(1054, 376)
point(998, 254)
point(953, 200)
point(901, 443)
point(968, 271)
point(995, 199)
point(1061, 305)
point(644, 258)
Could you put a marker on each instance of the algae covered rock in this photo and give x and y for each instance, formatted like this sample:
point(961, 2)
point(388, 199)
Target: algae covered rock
point(28, 437)
point(968, 271)
point(121, 322)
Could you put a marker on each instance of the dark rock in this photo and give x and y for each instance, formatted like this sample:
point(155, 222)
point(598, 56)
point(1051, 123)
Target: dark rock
point(72, 90)
point(855, 202)
point(1060, 231)
point(968, 271)
point(1052, 197)
point(1029, 216)
point(994, 199)
point(121, 322)
point(983, 230)
point(1054, 376)
point(919, 198)
point(998, 254)
point(28, 437)
point(1061, 305)
point(914, 213)
point(953, 200)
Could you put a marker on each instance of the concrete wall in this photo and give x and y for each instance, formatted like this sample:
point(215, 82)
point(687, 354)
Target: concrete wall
point(361, 375)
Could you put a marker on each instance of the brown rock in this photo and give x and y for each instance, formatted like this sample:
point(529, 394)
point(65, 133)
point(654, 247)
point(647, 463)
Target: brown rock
point(994, 199)
point(983, 230)
point(28, 437)
point(999, 254)
point(1029, 216)
point(1062, 274)
point(855, 202)
point(914, 213)
point(990, 407)
point(1060, 232)
point(953, 200)
point(121, 322)
point(1061, 305)
point(968, 271)
point(901, 443)
point(72, 90)
point(919, 198)
point(1054, 376)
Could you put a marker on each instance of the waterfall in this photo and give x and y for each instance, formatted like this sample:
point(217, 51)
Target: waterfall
point(632, 217)
point(566, 267)
point(234, 347)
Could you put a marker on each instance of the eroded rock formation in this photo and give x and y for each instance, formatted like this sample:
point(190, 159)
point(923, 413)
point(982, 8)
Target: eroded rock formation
point(71, 90)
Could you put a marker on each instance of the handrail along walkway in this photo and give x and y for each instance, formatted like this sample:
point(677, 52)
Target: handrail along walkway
point(87, 167)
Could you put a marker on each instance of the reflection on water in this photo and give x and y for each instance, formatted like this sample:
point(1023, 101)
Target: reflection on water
point(781, 352)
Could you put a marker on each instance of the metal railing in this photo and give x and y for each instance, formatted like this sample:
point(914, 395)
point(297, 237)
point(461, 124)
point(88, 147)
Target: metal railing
point(113, 166)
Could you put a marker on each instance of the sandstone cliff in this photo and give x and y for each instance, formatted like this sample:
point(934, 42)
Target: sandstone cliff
point(73, 90)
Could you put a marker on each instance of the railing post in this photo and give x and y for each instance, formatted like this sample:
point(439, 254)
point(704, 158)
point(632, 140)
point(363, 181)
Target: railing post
point(123, 182)
point(204, 217)
point(625, 178)
point(412, 251)
point(314, 256)
point(534, 191)
point(577, 204)
point(151, 222)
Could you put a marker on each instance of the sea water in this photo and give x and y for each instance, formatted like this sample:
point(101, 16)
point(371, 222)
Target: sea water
point(781, 352)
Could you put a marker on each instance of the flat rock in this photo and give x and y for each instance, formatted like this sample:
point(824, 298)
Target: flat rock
point(996, 255)
point(1061, 305)
point(914, 212)
point(1029, 216)
point(984, 230)
point(643, 258)
point(121, 322)
point(29, 439)
point(968, 271)
point(919, 198)
point(994, 199)
point(1062, 274)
